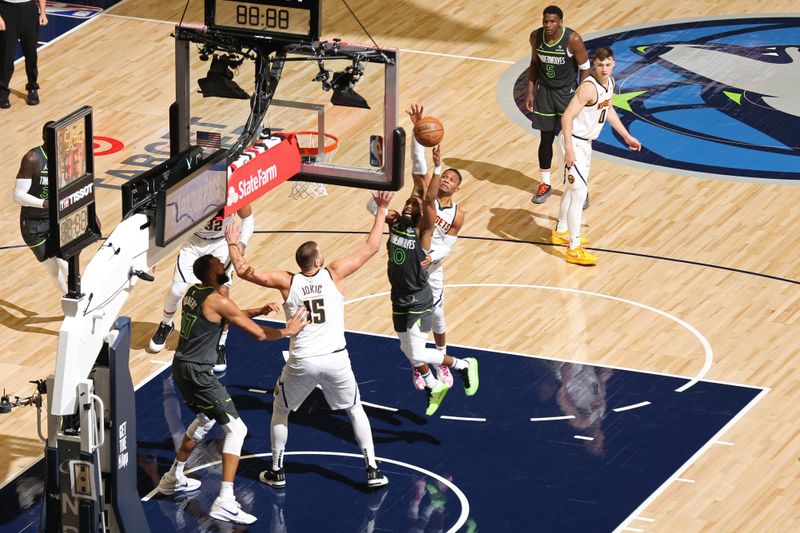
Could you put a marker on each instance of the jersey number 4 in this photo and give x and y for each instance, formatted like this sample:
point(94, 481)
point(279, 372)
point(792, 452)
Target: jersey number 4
point(316, 310)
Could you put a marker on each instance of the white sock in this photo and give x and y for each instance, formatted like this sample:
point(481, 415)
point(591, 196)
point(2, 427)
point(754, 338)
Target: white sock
point(545, 175)
point(226, 491)
point(575, 215)
point(459, 364)
point(278, 433)
point(363, 434)
point(168, 318)
point(277, 458)
point(563, 210)
point(177, 468)
point(430, 381)
point(442, 349)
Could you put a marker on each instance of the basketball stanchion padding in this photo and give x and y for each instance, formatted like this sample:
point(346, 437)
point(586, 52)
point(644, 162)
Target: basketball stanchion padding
point(259, 169)
point(308, 144)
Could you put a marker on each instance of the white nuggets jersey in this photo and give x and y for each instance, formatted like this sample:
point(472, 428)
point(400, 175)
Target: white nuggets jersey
point(325, 332)
point(444, 220)
point(214, 228)
point(589, 122)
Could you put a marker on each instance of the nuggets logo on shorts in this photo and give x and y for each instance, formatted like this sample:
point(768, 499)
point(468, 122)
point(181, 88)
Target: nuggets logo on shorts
point(715, 97)
point(570, 178)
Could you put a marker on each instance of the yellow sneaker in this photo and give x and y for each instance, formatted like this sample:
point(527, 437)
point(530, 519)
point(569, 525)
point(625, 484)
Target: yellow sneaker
point(579, 256)
point(561, 238)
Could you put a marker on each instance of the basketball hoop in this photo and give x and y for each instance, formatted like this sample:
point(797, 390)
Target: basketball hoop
point(308, 144)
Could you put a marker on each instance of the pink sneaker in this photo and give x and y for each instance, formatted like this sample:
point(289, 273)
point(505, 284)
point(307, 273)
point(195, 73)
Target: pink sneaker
point(444, 375)
point(419, 383)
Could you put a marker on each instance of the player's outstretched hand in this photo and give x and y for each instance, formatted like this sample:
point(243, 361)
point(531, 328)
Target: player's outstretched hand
point(295, 324)
point(270, 308)
point(415, 113)
point(382, 199)
point(437, 155)
point(232, 232)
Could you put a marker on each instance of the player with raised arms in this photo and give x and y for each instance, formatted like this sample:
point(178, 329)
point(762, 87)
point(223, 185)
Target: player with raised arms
point(449, 220)
point(318, 354)
point(409, 245)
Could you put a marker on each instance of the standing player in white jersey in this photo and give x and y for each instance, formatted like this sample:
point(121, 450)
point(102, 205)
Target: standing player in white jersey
point(210, 240)
point(449, 219)
point(582, 122)
point(317, 355)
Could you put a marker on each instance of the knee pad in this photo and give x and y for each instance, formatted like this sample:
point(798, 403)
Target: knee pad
point(176, 292)
point(235, 432)
point(412, 342)
point(199, 428)
point(439, 325)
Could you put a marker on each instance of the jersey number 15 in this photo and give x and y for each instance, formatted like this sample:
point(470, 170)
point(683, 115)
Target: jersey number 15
point(316, 310)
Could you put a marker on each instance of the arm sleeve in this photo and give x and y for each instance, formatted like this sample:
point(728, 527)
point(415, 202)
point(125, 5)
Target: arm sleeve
point(444, 250)
point(418, 163)
point(248, 228)
point(21, 195)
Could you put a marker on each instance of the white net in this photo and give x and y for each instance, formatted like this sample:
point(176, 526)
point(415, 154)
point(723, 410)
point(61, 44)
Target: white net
point(308, 142)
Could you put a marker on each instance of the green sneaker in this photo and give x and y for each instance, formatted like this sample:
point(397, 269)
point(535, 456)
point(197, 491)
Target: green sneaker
point(469, 376)
point(435, 397)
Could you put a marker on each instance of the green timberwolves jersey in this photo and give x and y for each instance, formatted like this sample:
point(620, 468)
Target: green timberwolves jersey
point(199, 336)
point(38, 188)
point(556, 67)
point(409, 281)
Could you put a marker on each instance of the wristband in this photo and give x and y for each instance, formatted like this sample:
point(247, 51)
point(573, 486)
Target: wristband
point(438, 170)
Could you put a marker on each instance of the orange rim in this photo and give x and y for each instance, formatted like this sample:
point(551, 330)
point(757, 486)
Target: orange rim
point(331, 142)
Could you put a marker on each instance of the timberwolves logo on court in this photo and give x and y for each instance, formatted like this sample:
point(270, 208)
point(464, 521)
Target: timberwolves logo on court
point(715, 97)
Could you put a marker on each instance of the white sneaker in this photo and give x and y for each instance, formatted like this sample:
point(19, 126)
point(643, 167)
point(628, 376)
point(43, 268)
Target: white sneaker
point(230, 511)
point(416, 377)
point(170, 484)
point(444, 375)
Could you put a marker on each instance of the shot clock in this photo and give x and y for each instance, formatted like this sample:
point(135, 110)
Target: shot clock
point(286, 20)
point(73, 224)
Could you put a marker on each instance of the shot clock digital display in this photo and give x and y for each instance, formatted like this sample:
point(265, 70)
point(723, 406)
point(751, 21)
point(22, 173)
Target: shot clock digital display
point(290, 20)
point(73, 226)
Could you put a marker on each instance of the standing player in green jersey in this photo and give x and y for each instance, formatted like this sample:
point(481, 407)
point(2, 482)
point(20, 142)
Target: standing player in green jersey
point(557, 54)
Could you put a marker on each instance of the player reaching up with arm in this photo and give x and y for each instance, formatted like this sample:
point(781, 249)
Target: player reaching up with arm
point(210, 239)
point(317, 355)
point(448, 222)
point(583, 121)
point(410, 236)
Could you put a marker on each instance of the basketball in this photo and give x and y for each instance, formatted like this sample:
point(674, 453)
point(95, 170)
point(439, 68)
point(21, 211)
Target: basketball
point(428, 131)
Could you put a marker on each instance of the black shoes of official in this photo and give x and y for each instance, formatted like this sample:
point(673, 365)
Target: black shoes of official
point(33, 97)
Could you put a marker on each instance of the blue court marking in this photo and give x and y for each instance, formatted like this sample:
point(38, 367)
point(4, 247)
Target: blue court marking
point(676, 93)
point(590, 471)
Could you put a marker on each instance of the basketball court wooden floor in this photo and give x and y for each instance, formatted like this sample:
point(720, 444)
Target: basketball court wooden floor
point(697, 279)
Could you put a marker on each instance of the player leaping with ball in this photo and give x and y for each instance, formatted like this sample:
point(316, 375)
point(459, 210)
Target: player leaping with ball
point(412, 299)
point(582, 122)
